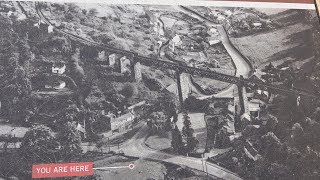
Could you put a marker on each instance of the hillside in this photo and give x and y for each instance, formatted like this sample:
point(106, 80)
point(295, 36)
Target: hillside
point(292, 41)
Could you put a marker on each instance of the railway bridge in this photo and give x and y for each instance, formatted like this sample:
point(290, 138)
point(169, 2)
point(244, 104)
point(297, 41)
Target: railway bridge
point(129, 61)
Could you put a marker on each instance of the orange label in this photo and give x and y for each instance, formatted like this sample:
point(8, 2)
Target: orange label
point(62, 170)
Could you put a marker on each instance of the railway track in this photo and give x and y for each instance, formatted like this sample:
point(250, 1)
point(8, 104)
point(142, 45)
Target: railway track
point(148, 61)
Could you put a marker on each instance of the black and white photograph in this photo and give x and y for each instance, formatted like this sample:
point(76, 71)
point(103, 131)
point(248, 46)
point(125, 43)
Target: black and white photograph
point(157, 91)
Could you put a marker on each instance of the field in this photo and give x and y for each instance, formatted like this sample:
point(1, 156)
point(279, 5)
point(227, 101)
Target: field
point(159, 142)
point(290, 42)
point(143, 169)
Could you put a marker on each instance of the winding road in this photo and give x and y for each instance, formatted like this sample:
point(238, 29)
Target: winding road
point(136, 147)
point(241, 65)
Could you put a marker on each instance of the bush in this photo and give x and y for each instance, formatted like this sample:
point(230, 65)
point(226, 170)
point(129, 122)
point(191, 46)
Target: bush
point(193, 104)
point(93, 12)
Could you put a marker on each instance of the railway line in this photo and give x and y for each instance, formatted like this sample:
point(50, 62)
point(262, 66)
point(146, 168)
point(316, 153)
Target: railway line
point(148, 61)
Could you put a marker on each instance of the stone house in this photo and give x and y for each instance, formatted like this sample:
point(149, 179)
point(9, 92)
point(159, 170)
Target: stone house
point(122, 123)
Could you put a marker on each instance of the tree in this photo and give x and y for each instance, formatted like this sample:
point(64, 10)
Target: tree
point(70, 141)
point(40, 145)
point(166, 103)
point(187, 132)
point(272, 123)
point(194, 104)
point(93, 12)
point(158, 121)
point(176, 142)
point(271, 146)
point(128, 91)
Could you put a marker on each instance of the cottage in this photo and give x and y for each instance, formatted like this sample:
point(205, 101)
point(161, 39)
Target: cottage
point(125, 65)
point(176, 42)
point(122, 123)
point(245, 120)
point(112, 60)
point(257, 25)
point(131, 108)
point(50, 29)
point(213, 30)
point(214, 42)
point(59, 68)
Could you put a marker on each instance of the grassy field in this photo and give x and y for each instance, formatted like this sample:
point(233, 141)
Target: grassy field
point(159, 142)
point(291, 42)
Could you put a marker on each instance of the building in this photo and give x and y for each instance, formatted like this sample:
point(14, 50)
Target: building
point(175, 42)
point(122, 123)
point(214, 42)
point(125, 65)
point(50, 29)
point(139, 104)
point(59, 68)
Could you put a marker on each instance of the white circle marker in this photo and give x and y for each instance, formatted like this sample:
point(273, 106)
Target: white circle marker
point(131, 166)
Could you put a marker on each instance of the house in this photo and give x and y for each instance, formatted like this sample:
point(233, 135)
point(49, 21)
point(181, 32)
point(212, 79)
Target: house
point(257, 24)
point(122, 123)
point(50, 29)
point(112, 60)
point(139, 104)
point(214, 42)
point(213, 30)
point(255, 106)
point(125, 65)
point(101, 54)
point(245, 120)
point(175, 42)
point(58, 68)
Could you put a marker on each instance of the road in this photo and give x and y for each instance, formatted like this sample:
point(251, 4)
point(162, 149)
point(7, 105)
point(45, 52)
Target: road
point(136, 147)
point(241, 65)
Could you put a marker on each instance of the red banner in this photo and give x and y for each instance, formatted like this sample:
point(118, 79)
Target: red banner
point(62, 170)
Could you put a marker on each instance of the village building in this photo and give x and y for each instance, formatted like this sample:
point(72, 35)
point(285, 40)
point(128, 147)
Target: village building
point(257, 25)
point(122, 123)
point(175, 42)
point(50, 29)
point(125, 65)
point(58, 68)
point(245, 120)
point(133, 107)
point(112, 60)
point(213, 30)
